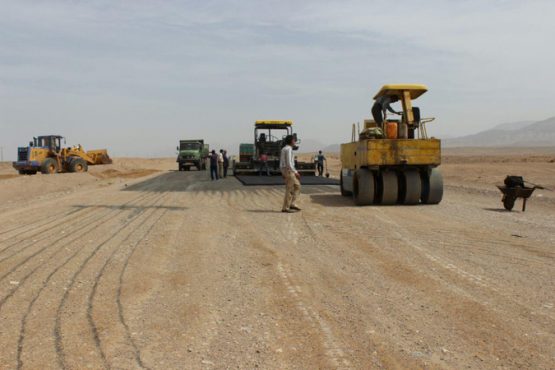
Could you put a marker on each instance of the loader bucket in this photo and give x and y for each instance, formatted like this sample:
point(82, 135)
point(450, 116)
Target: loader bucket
point(99, 156)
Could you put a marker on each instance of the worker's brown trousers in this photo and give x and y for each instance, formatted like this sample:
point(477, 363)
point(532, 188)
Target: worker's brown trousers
point(292, 189)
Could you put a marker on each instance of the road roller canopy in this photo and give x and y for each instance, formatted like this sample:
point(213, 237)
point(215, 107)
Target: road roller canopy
point(273, 125)
point(415, 90)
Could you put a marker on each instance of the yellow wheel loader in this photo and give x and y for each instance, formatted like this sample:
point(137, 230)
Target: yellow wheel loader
point(396, 163)
point(46, 154)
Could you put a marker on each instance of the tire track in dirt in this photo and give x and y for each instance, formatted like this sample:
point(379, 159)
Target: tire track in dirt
point(45, 283)
point(483, 282)
point(333, 353)
point(55, 230)
point(410, 274)
point(121, 315)
point(42, 287)
point(37, 295)
point(87, 226)
point(61, 224)
point(195, 196)
point(51, 232)
point(27, 227)
point(47, 221)
point(25, 278)
point(90, 302)
point(59, 347)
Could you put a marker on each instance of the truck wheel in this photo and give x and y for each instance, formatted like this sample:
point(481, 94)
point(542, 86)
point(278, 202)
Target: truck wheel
point(432, 187)
point(363, 187)
point(344, 192)
point(49, 166)
point(78, 165)
point(22, 172)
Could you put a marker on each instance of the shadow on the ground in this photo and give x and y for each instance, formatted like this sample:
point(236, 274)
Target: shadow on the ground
point(199, 181)
point(500, 210)
point(332, 200)
point(125, 206)
point(263, 211)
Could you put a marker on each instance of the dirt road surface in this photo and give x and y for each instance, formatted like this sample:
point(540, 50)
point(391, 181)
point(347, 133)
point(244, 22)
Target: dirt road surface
point(173, 271)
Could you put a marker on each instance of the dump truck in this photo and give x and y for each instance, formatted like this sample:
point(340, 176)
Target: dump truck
point(192, 153)
point(394, 164)
point(269, 139)
point(47, 155)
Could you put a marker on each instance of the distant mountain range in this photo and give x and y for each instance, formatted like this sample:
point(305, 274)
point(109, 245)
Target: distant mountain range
point(515, 134)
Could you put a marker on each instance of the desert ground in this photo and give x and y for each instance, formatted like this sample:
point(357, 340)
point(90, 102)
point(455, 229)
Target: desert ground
point(136, 265)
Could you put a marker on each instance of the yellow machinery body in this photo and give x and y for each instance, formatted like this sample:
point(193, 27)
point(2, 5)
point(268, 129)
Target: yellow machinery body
point(46, 154)
point(400, 170)
point(387, 152)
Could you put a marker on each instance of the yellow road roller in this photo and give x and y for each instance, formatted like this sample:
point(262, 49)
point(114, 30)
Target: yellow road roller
point(395, 162)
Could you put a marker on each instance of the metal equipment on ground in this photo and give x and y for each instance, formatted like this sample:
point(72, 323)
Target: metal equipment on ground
point(262, 157)
point(399, 169)
point(515, 188)
point(192, 153)
point(46, 154)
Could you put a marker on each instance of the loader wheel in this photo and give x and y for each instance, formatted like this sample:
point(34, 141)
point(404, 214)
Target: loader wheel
point(344, 192)
point(411, 187)
point(389, 187)
point(49, 166)
point(432, 187)
point(363, 187)
point(22, 172)
point(78, 165)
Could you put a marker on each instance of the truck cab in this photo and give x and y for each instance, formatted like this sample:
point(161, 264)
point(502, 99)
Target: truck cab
point(192, 153)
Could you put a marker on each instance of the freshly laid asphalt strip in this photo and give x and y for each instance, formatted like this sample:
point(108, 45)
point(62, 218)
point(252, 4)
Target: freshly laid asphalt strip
point(278, 180)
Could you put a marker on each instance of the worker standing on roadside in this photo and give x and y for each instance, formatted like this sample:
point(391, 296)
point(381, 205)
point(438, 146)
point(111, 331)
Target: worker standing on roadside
point(320, 158)
point(264, 165)
point(381, 106)
point(221, 163)
point(291, 176)
point(213, 165)
point(226, 163)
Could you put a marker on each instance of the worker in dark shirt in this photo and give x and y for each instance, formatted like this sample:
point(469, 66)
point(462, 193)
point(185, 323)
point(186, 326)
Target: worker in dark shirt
point(214, 165)
point(381, 106)
point(226, 162)
point(320, 158)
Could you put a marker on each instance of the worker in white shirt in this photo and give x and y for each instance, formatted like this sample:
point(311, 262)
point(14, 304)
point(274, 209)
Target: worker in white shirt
point(291, 176)
point(221, 164)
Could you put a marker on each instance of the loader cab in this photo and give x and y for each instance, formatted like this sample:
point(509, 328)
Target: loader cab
point(51, 142)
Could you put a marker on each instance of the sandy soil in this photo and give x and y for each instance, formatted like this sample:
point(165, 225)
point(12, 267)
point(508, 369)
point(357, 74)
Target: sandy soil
point(173, 271)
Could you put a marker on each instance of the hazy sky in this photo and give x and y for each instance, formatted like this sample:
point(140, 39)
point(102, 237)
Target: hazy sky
point(135, 76)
